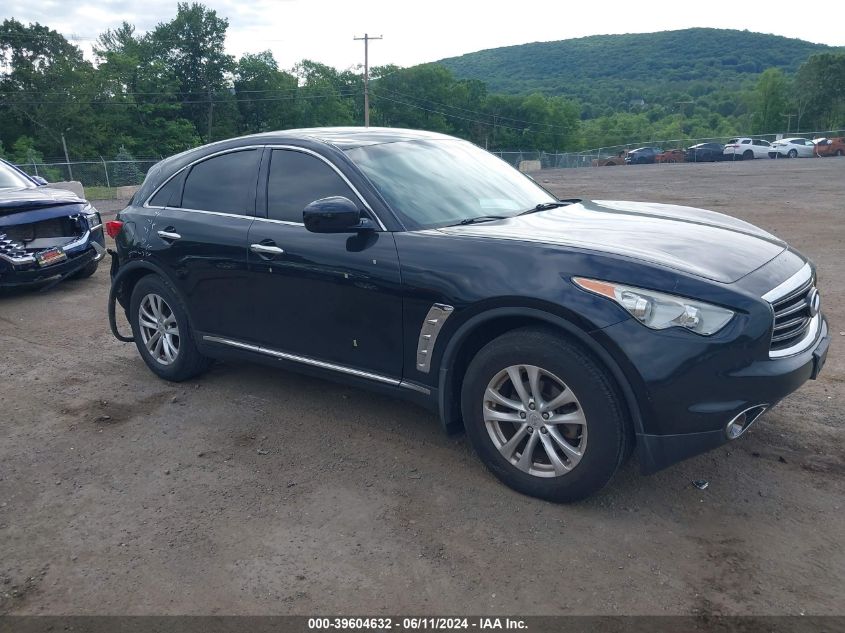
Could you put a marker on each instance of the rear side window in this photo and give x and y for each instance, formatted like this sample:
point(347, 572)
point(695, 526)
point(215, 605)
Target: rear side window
point(167, 195)
point(225, 183)
point(746, 142)
point(296, 180)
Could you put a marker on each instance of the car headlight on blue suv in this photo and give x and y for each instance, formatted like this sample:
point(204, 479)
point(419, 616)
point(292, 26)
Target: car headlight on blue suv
point(92, 216)
point(659, 311)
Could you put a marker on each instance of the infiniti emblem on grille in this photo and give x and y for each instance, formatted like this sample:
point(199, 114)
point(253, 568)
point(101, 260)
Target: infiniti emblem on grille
point(814, 301)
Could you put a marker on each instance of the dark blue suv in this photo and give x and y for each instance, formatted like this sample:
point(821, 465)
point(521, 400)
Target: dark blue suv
point(560, 334)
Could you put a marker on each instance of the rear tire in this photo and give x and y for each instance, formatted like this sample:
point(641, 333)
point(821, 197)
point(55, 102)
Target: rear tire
point(840, 152)
point(504, 420)
point(748, 155)
point(162, 331)
point(793, 153)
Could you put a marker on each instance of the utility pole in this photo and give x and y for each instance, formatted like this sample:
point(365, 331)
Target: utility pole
point(67, 160)
point(367, 39)
point(681, 110)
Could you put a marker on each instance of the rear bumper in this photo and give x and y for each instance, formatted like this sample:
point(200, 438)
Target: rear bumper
point(687, 397)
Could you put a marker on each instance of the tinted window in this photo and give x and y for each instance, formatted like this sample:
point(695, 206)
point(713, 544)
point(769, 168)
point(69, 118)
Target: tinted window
point(225, 183)
point(746, 142)
point(296, 180)
point(167, 194)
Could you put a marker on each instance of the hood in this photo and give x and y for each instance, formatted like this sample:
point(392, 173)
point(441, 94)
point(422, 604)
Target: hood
point(15, 199)
point(703, 243)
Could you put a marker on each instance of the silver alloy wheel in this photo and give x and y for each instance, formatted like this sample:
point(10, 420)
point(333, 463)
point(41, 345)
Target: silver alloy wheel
point(159, 330)
point(535, 421)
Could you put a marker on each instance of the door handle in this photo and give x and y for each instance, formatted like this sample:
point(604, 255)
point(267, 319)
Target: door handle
point(169, 235)
point(266, 249)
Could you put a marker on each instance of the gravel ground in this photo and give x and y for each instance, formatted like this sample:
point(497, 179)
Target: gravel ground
point(255, 491)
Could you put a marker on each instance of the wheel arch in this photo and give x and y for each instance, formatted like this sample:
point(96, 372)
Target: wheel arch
point(128, 276)
point(482, 328)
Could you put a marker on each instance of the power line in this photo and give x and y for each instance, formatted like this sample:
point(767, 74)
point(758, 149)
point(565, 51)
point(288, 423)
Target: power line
point(488, 114)
point(341, 94)
point(454, 116)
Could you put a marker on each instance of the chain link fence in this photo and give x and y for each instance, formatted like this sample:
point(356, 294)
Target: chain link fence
point(104, 177)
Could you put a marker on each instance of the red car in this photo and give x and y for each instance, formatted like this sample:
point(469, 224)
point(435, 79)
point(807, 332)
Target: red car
point(830, 146)
point(671, 156)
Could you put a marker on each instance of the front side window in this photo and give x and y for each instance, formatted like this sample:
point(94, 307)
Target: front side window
point(441, 182)
point(296, 180)
point(225, 183)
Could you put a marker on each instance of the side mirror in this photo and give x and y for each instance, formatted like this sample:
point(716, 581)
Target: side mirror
point(39, 180)
point(334, 215)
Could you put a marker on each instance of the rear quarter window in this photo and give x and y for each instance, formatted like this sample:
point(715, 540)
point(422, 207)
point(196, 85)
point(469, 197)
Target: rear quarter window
point(224, 183)
point(169, 194)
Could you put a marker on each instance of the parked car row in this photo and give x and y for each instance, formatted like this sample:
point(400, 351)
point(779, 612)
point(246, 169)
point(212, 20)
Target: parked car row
point(740, 148)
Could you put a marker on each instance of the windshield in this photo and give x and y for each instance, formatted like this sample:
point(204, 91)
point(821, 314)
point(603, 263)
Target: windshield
point(438, 183)
point(11, 177)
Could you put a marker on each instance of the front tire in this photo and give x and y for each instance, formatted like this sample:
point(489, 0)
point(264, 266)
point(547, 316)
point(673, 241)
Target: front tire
point(162, 332)
point(793, 153)
point(543, 416)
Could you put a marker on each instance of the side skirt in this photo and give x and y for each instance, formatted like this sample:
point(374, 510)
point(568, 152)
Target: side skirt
point(217, 346)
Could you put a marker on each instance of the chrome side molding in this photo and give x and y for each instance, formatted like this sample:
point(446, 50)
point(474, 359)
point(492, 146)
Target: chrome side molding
point(305, 360)
point(431, 326)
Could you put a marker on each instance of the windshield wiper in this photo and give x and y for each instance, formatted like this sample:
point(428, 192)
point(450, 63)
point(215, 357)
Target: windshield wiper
point(481, 218)
point(545, 206)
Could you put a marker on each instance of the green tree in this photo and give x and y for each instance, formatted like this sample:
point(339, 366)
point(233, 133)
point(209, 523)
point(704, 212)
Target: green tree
point(770, 102)
point(47, 88)
point(126, 171)
point(266, 96)
point(820, 90)
point(192, 48)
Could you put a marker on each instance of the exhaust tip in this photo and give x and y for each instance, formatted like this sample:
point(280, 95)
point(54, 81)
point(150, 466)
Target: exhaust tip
point(739, 425)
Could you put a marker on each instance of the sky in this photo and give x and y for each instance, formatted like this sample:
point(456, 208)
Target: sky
point(428, 30)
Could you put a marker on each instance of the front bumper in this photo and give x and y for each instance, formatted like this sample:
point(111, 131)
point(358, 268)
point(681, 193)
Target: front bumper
point(12, 276)
point(689, 389)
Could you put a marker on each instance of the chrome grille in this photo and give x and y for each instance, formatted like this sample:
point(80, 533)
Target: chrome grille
point(11, 247)
point(794, 315)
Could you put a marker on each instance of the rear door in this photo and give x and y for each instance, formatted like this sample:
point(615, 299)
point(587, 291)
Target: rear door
point(200, 239)
point(334, 298)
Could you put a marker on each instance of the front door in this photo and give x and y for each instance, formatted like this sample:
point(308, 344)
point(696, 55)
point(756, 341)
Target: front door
point(334, 298)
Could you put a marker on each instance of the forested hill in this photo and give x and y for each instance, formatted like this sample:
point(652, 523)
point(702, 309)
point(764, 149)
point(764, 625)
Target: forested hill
point(640, 62)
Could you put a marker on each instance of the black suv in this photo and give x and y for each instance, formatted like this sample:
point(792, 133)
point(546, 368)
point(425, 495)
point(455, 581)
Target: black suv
point(561, 334)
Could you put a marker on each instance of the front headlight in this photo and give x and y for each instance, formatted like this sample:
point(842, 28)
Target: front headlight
point(660, 311)
point(92, 216)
